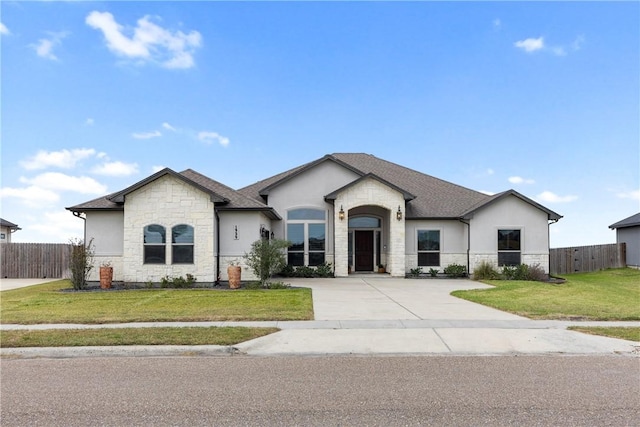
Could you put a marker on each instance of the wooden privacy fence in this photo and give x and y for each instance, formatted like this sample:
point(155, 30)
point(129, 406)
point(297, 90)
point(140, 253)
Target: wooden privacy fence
point(582, 259)
point(34, 260)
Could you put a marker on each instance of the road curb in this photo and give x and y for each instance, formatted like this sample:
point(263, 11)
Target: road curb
point(118, 351)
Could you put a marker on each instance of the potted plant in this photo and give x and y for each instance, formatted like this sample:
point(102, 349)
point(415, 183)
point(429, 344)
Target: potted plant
point(381, 268)
point(106, 275)
point(234, 271)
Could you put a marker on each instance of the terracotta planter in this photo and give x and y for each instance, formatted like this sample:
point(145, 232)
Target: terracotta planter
point(106, 277)
point(235, 273)
point(381, 270)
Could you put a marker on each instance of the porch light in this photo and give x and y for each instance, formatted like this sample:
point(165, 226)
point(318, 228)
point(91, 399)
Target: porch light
point(341, 213)
point(399, 214)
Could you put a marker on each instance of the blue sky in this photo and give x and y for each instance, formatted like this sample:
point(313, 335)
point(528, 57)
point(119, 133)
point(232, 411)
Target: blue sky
point(539, 97)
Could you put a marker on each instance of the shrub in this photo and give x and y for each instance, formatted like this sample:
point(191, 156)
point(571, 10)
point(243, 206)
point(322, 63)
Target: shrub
point(177, 282)
point(433, 272)
point(536, 272)
point(415, 271)
point(266, 258)
point(455, 270)
point(80, 263)
point(485, 271)
point(324, 270)
point(524, 272)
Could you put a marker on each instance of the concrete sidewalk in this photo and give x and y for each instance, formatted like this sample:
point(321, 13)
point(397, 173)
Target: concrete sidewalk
point(7, 284)
point(367, 316)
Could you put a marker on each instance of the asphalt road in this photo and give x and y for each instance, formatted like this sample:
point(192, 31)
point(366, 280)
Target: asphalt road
point(327, 391)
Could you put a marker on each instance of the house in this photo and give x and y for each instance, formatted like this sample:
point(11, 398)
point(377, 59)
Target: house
point(352, 210)
point(628, 232)
point(6, 229)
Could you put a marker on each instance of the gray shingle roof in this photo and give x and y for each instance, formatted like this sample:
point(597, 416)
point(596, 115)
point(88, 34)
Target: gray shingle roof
point(8, 224)
point(632, 221)
point(435, 198)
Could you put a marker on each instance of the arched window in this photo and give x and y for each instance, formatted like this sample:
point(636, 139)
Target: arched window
point(182, 244)
point(155, 249)
point(306, 230)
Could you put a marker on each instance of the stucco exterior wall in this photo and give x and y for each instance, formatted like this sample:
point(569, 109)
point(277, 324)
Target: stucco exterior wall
point(510, 213)
point(6, 235)
point(168, 201)
point(630, 236)
point(453, 242)
point(307, 190)
point(105, 229)
point(371, 192)
point(238, 230)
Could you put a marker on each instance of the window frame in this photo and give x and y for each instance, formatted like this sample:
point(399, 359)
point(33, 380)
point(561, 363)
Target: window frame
point(155, 245)
point(304, 216)
point(174, 244)
point(504, 255)
point(429, 252)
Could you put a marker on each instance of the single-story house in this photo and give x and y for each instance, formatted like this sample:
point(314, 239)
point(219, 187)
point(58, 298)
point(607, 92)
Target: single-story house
point(352, 210)
point(6, 229)
point(628, 232)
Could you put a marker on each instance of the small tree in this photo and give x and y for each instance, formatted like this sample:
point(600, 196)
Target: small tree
point(81, 262)
point(267, 258)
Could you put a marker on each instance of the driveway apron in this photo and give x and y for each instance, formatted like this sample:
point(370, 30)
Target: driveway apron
point(397, 299)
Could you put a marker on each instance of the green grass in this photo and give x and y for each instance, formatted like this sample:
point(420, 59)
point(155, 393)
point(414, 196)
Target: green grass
point(47, 304)
point(605, 295)
point(625, 333)
point(132, 336)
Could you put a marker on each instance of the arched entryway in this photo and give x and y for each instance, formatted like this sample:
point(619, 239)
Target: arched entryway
point(367, 240)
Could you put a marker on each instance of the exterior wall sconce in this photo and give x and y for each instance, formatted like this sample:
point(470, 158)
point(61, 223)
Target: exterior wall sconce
point(399, 214)
point(341, 213)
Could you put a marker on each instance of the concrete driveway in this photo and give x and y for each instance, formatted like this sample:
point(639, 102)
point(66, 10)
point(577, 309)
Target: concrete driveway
point(6, 284)
point(372, 298)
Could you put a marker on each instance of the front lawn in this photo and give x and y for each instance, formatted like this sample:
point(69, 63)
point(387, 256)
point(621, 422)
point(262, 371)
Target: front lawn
point(48, 304)
point(131, 336)
point(625, 333)
point(605, 295)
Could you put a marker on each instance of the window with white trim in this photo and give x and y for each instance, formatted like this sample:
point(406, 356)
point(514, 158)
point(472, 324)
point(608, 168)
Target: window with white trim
point(428, 248)
point(509, 246)
point(182, 244)
point(306, 230)
point(155, 244)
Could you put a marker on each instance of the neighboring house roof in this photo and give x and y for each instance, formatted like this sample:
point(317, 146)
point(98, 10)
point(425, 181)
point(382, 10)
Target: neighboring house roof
point(9, 225)
point(632, 221)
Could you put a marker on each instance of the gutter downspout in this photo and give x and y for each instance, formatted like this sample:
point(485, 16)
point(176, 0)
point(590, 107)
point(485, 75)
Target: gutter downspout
point(468, 245)
point(78, 215)
point(217, 246)
point(553, 221)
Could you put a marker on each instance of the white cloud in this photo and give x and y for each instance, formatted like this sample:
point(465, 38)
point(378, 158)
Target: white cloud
point(64, 159)
point(61, 182)
point(167, 126)
point(488, 193)
point(497, 24)
point(578, 42)
point(146, 135)
point(530, 44)
point(520, 180)
point(4, 30)
point(44, 47)
point(490, 171)
point(549, 197)
point(89, 122)
point(32, 196)
point(633, 195)
point(211, 137)
point(157, 168)
point(148, 42)
point(116, 169)
point(60, 225)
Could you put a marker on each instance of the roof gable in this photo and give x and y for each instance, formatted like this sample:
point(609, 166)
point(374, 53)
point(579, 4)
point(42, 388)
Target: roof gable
point(119, 196)
point(500, 196)
point(334, 194)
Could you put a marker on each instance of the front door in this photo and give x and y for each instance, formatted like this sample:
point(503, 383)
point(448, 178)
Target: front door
point(364, 250)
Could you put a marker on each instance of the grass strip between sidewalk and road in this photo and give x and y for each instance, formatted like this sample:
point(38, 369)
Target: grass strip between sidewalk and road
point(625, 333)
point(131, 336)
point(604, 295)
point(47, 303)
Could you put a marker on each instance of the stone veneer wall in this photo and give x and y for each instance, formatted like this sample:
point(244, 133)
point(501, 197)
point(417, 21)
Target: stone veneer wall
point(168, 201)
point(371, 192)
point(492, 258)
